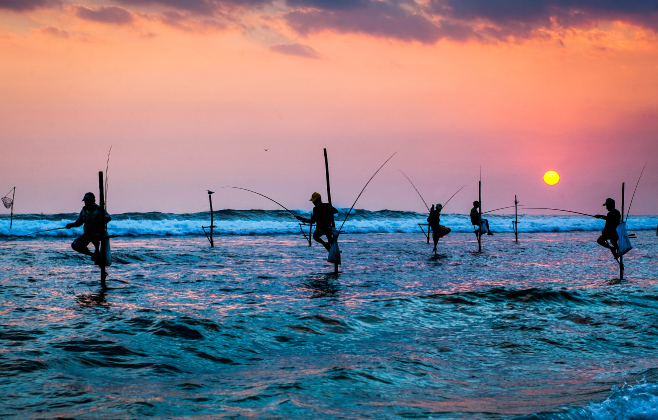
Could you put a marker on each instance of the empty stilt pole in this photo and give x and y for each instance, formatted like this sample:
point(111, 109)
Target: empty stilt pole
point(516, 218)
point(212, 219)
point(11, 220)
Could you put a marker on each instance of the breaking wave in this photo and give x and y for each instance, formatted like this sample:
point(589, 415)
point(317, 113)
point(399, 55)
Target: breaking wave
point(278, 222)
point(627, 403)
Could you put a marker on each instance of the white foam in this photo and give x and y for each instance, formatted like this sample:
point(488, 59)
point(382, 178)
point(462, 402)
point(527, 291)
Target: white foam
point(267, 223)
point(632, 402)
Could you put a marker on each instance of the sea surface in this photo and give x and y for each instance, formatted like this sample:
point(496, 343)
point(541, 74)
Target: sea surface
point(260, 327)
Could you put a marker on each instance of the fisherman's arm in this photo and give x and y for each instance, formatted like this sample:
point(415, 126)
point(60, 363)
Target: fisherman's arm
point(305, 220)
point(79, 222)
point(600, 216)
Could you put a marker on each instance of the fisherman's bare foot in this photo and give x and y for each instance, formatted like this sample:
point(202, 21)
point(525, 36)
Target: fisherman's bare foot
point(614, 253)
point(490, 233)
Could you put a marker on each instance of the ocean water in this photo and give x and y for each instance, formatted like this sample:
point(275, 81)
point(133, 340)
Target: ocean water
point(259, 327)
point(271, 222)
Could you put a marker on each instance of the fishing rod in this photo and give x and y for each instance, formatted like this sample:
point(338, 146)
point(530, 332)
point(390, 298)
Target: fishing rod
point(364, 188)
point(32, 233)
point(453, 196)
point(412, 184)
point(257, 193)
point(568, 211)
point(107, 167)
point(638, 183)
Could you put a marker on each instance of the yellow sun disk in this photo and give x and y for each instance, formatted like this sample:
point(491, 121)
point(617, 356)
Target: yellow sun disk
point(551, 177)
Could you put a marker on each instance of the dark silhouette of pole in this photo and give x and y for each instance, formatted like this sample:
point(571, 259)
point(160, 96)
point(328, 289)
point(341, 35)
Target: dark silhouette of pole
point(212, 220)
point(516, 218)
point(101, 231)
point(479, 230)
point(11, 220)
point(621, 257)
point(333, 224)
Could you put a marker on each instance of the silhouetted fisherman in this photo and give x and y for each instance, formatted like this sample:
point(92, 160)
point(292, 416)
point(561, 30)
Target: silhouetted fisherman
point(92, 226)
point(609, 233)
point(434, 220)
point(323, 217)
point(476, 222)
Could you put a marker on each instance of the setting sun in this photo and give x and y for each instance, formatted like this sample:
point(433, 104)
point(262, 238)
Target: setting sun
point(551, 177)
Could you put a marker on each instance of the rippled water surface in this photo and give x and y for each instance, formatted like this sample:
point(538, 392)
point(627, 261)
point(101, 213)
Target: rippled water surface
point(258, 327)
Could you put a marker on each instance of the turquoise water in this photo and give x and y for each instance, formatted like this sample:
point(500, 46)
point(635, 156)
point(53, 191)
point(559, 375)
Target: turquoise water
point(258, 328)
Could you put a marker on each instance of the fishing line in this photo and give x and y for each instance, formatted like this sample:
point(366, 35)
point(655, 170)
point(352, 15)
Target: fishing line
point(32, 233)
point(502, 208)
point(568, 211)
point(257, 193)
point(364, 188)
point(638, 183)
point(453, 196)
point(412, 184)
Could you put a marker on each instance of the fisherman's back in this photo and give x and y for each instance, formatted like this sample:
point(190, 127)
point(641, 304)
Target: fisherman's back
point(323, 215)
point(612, 220)
point(434, 219)
point(90, 218)
point(475, 216)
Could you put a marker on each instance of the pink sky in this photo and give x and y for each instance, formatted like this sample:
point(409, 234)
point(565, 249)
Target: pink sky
point(189, 94)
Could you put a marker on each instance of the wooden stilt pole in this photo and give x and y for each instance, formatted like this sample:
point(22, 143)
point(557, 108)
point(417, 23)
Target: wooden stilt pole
point(212, 220)
point(101, 234)
point(479, 231)
point(310, 234)
point(11, 221)
point(621, 258)
point(429, 229)
point(516, 218)
point(326, 167)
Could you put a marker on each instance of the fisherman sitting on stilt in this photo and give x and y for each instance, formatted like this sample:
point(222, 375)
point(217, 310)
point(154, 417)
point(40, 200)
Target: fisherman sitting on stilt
point(481, 226)
point(323, 217)
point(434, 220)
point(609, 233)
point(92, 225)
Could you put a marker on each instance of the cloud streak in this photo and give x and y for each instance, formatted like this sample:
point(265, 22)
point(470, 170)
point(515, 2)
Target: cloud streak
point(379, 19)
point(105, 14)
point(298, 50)
point(424, 21)
point(54, 32)
point(27, 5)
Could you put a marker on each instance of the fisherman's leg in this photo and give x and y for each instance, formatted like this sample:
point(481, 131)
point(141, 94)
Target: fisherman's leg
point(603, 241)
point(435, 237)
point(317, 235)
point(330, 237)
point(443, 231)
point(80, 245)
point(615, 247)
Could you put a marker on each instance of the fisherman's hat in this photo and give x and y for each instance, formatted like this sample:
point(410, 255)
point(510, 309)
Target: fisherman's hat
point(89, 196)
point(439, 206)
point(609, 201)
point(315, 196)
